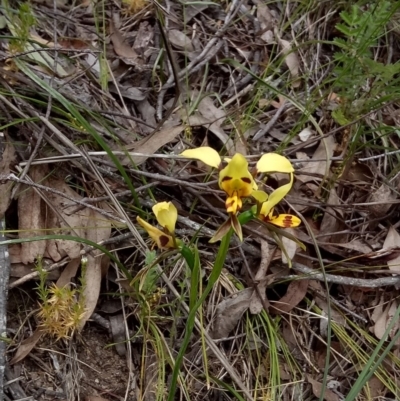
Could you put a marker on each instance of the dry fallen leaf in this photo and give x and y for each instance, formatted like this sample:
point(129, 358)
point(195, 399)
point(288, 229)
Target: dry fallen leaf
point(318, 167)
point(157, 141)
point(329, 395)
point(117, 325)
point(121, 48)
point(382, 316)
point(289, 245)
point(382, 197)
point(31, 217)
point(331, 221)
point(65, 220)
point(7, 159)
point(295, 293)
point(98, 230)
point(377, 389)
point(393, 241)
point(229, 311)
point(215, 117)
point(68, 273)
point(267, 21)
point(95, 398)
point(291, 59)
point(26, 346)
point(180, 40)
point(256, 304)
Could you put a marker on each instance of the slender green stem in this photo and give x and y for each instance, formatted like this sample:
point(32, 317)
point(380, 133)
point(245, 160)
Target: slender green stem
point(214, 276)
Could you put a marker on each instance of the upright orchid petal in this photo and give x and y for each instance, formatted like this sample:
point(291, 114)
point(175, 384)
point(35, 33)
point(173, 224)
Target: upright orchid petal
point(166, 215)
point(274, 163)
point(235, 179)
point(162, 240)
point(275, 197)
point(205, 154)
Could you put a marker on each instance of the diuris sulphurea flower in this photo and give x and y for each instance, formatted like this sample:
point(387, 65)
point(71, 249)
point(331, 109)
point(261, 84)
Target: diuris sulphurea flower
point(166, 215)
point(238, 183)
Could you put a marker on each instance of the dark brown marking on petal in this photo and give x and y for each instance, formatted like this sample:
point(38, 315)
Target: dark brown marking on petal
point(226, 178)
point(247, 180)
point(229, 204)
point(164, 240)
point(287, 221)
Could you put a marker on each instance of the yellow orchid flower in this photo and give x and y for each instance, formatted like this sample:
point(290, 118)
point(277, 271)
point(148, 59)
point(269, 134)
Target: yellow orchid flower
point(237, 182)
point(162, 240)
point(166, 215)
point(235, 179)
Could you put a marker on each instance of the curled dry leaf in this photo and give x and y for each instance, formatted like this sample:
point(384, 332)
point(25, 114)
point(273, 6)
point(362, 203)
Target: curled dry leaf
point(331, 222)
point(65, 220)
point(121, 48)
point(7, 160)
point(267, 21)
point(98, 229)
point(290, 246)
point(257, 304)
point(295, 293)
point(323, 154)
point(383, 198)
point(157, 141)
point(68, 273)
point(382, 316)
point(329, 395)
point(26, 346)
point(291, 60)
point(31, 217)
point(306, 134)
point(215, 117)
point(117, 324)
point(229, 312)
point(393, 241)
point(180, 40)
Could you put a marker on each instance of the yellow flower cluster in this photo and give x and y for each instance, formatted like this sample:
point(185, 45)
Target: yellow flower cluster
point(237, 182)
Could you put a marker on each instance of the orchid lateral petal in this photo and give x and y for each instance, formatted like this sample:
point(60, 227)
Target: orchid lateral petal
point(162, 240)
point(205, 154)
point(274, 163)
point(221, 232)
point(285, 220)
point(275, 197)
point(259, 196)
point(166, 215)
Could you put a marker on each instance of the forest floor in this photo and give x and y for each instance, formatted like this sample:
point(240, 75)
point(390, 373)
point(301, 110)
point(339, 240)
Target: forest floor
point(97, 102)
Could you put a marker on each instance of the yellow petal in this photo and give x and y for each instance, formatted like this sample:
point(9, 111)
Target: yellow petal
point(235, 178)
point(162, 240)
point(166, 215)
point(259, 196)
point(205, 154)
point(285, 220)
point(275, 197)
point(233, 204)
point(274, 163)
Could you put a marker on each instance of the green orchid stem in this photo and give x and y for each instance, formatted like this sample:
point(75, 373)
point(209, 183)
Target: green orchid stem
point(194, 265)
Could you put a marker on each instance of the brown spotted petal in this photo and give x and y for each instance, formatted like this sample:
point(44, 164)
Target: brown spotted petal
point(162, 240)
